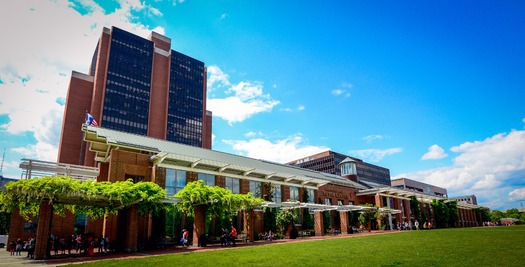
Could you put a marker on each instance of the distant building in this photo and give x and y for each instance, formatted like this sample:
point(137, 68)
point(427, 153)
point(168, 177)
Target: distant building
point(5, 180)
point(408, 184)
point(329, 161)
point(466, 199)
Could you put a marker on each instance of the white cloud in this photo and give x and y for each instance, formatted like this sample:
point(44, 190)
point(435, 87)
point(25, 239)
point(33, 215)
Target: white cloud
point(489, 168)
point(371, 138)
point(375, 155)
point(299, 108)
point(434, 152)
point(252, 134)
point(216, 78)
point(52, 39)
point(517, 194)
point(281, 151)
point(223, 16)
point(248, 98)
point(342, 92)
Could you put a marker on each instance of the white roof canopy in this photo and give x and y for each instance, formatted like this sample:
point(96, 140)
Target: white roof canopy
point(178, 156)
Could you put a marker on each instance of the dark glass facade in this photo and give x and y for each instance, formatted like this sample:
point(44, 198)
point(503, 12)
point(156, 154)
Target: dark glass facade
point(330, 164)
point(128, 83)
point(185, 106)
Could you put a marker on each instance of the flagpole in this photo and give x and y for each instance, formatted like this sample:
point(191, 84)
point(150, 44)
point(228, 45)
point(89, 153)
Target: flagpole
point(82, 145)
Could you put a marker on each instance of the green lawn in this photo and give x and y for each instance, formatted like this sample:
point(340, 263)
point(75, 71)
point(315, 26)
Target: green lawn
point(494, 246)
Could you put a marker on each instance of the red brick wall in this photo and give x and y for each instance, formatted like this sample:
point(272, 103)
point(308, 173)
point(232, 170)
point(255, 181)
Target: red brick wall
point(158, 107)
point(337, 193)
point(78, 100)
point(124, 163)
point(99, 87)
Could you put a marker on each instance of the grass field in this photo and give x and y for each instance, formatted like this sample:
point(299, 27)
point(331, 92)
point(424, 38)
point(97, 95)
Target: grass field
point(494, 246)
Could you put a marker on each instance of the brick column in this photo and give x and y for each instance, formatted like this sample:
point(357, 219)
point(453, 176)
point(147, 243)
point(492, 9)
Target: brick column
point(198, 223)
point(345, 223)
point(132, 232)
point(379, 204)
point(45, 216)
point(319, 224)
point(406, 210)
point(379, 201)
point(249, 225)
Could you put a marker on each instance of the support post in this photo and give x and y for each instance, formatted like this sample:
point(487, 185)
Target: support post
point(198, 223)
point(319, 224)
point(45, 217)
point(343, 215)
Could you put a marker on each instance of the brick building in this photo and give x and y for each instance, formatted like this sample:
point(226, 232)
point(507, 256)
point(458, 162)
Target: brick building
point(139, 86)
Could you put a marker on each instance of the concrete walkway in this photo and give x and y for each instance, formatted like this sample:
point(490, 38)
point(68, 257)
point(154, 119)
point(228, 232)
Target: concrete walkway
point(58, 260)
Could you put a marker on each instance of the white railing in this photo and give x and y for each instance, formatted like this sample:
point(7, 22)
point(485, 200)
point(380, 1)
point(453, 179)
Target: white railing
point(38, 168)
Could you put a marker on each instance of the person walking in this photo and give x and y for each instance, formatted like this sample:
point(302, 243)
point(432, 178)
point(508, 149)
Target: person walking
point(233, 235)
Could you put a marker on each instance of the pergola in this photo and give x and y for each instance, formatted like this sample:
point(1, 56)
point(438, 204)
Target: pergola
point(388, 191)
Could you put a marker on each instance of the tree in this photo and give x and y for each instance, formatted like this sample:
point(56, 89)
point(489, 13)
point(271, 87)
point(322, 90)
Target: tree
point(496, 215)
point(219, 201)
point(414, 206)
point(367, 215)
point(453, 217)
point(95, 199)
point(284, 218)
point(308, 220)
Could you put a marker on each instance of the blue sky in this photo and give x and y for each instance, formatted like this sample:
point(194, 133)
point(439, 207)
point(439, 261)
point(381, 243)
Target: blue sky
point(433, 91)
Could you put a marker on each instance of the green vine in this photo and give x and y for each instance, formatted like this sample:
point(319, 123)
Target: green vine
point(95, 199)
point(219, 201)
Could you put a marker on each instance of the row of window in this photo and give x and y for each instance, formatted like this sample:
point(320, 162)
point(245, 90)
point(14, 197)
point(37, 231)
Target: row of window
point(176, 180)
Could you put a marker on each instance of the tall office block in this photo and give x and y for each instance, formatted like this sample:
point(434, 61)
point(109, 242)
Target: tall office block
point(138, 86)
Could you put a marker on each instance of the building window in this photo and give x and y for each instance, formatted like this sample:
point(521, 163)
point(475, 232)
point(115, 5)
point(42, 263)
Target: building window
point(175, 181)
point(233, 184)
point(294, 193)
point(256, 188)
point(311, 195)
point(209, 179)
point(328, 201)
point(277, 194)
point(339, 202)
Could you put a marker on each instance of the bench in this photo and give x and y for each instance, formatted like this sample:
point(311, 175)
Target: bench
point(304, 233)
point(241, 237)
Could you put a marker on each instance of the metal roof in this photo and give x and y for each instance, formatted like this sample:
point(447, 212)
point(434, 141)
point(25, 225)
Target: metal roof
point(184, 157)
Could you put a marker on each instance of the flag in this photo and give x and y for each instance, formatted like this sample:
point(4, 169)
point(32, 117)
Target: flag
point(90, 120)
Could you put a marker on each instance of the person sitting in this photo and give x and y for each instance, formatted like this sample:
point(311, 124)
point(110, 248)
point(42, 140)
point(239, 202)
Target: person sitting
point(269, 236)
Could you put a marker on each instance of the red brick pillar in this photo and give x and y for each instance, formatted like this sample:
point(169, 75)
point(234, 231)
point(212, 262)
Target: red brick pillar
point(379, 201)
point(109, 228)
point(406, 210)
point(343, 215)
point(379, 204)
point(132, 232)
point(198, 223)
point(249, 225)
point(319, 224)
point(45, 215)
point(463, 218)
point(397, 206)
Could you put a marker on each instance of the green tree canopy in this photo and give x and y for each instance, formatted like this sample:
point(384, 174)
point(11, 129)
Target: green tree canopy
point(219, 201)
point(95, 199)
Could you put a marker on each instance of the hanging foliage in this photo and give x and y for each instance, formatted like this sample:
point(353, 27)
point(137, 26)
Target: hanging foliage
point(218, 200)
point(95, 199)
